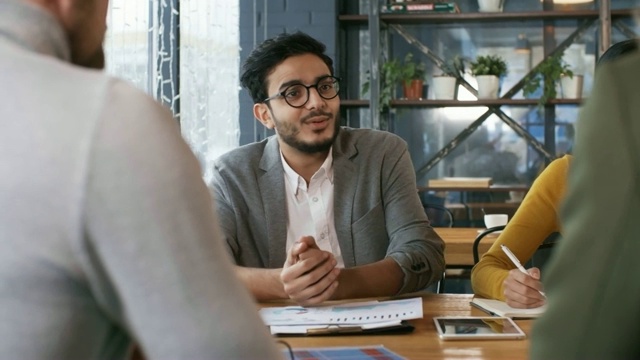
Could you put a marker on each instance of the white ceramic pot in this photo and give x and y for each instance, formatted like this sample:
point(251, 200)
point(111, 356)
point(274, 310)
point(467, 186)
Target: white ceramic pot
point(488, 86)
point(444, 87)
point(571, 88)
point(490, 5)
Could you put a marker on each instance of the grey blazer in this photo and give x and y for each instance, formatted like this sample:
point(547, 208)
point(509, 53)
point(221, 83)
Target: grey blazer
point(376, 207)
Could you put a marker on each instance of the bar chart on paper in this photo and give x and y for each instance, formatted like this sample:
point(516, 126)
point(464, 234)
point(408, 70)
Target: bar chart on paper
point(345, 353)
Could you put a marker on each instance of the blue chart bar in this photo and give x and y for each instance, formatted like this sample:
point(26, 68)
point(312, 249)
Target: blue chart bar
point(344, 353)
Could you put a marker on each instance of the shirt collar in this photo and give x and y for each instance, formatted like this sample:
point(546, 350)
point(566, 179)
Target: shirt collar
point(296, 181)
point(33, 28)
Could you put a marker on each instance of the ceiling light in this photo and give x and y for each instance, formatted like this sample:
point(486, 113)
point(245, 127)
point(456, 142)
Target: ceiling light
point(569, 2)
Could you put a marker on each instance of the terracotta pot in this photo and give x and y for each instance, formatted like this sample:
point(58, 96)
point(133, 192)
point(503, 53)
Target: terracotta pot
point(414, 90)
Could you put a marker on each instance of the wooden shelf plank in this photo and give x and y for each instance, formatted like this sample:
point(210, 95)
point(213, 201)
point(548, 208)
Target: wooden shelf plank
point(483, 17)
point(457, 103)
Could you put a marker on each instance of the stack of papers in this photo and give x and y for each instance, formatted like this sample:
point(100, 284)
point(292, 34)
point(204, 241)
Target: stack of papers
point(343, 318)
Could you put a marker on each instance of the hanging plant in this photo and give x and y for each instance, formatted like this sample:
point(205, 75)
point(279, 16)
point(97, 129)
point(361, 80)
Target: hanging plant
point(550, 70)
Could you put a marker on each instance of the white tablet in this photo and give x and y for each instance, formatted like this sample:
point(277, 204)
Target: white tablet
point(477, 328)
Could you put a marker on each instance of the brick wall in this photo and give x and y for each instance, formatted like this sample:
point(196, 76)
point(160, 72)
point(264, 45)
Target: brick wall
point(317, 18)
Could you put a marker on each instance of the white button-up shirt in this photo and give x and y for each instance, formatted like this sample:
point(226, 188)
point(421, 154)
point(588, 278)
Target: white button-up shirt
point(310, 208)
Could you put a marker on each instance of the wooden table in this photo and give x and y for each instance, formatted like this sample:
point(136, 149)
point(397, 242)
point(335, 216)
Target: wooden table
point(458, 252)
point(492, 188)
point(423, 342)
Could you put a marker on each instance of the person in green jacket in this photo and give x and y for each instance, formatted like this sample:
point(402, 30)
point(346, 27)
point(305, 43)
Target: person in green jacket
point(593, 293)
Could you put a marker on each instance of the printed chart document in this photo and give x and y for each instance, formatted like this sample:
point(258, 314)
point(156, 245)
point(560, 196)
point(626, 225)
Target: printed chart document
point(356, 317)
point(344, 353)
point(500, 308)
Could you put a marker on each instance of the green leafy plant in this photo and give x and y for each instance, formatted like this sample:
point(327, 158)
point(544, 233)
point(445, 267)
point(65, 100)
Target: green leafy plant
point(392, 73)
point(411, 70)
point(455, 66)
point(550, 70)
point(489, 65)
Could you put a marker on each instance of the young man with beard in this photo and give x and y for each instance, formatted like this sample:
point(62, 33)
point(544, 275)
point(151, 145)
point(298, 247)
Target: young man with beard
point(108, 234)
point(319, 211)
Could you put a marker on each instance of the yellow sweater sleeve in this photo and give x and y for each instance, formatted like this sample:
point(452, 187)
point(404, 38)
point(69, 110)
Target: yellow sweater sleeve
point(536, 219)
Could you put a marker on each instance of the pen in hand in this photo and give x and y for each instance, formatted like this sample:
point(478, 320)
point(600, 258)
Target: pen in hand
point(516, 262)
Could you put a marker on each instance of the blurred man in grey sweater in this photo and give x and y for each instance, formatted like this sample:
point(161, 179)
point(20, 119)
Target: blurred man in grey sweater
point(108, 236)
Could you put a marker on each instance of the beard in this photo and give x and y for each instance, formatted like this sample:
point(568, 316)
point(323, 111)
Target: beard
point(289, 134)
point(94, 61)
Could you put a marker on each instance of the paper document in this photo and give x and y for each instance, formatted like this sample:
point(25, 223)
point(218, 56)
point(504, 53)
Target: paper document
point(344, 353)
point(342, 318)
point(500, 308)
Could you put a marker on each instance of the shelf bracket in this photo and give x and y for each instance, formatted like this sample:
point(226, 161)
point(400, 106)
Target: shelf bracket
point(625, 29)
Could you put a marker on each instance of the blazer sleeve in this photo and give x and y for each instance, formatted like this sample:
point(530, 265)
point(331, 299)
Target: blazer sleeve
point(593, 301)
point(226, 214)
point(414, 245)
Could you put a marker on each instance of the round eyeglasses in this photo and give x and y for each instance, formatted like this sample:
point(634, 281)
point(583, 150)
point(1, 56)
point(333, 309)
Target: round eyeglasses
point(297, 95)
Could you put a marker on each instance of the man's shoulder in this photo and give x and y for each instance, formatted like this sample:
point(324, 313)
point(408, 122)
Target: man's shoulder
point(245, 156)
point(374, 140)
point(624, 72)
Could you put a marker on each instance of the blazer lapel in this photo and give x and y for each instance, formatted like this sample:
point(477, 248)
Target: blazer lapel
point(345, 175)
point(271, 185)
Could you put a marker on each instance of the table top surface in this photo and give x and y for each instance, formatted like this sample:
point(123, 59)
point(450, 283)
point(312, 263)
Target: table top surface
point(492, 188)
point(458, 251)
point(423, 342)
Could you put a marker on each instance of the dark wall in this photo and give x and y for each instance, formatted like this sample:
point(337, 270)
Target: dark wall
point(315, 17)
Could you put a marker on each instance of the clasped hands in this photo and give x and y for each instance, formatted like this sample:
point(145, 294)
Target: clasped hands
point(309, 275)
point(523, 291)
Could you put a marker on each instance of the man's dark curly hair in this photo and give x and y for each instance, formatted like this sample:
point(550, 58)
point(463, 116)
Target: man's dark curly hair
point(274, 51)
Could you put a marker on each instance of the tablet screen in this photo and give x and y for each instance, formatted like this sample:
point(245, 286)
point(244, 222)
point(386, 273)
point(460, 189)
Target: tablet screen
point(452, 328)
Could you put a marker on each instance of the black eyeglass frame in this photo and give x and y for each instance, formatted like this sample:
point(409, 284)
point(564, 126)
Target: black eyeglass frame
point(336, 85)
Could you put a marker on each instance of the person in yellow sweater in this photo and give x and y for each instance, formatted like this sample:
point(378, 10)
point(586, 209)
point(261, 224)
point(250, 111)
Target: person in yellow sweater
point(495, 276)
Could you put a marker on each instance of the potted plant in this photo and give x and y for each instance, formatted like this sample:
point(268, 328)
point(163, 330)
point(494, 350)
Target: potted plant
point(551, 70)
point(488, 70)
point(445, 86)
point(412, 77)
point(393, 72)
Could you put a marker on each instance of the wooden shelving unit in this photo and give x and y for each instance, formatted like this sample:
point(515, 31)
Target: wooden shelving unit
point(546, 20)
point(457, 103)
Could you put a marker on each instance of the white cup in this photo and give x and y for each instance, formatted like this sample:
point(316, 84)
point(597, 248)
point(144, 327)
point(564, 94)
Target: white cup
point(493, 220)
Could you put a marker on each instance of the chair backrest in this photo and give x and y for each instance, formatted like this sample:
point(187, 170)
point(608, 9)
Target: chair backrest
point(538, 259)
point(438, 215)
point(482, 235)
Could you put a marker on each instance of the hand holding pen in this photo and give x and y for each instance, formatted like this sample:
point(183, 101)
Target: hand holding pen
point(522, 288)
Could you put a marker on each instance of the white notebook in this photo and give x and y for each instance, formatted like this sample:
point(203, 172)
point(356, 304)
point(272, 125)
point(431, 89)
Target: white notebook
point(500, 308)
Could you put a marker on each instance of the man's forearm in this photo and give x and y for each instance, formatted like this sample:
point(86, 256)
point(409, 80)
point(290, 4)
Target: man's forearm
point(382, 278)
point(264, 284)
